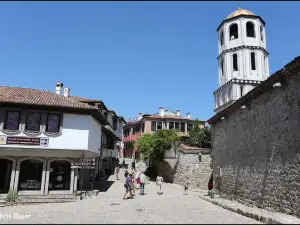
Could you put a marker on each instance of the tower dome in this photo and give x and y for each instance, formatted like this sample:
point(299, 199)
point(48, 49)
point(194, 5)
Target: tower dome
point(238, 12)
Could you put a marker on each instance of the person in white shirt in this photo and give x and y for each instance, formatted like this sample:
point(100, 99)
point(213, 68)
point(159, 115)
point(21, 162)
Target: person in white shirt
point(142, 183)
point(159, 181)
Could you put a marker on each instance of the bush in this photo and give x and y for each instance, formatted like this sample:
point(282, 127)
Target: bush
point(153, 146)
point(12, 196)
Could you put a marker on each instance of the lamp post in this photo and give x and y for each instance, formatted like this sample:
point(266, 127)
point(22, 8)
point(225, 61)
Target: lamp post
point(81, 176)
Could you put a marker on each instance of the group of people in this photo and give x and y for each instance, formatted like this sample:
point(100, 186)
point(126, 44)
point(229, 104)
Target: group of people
point(133, 179)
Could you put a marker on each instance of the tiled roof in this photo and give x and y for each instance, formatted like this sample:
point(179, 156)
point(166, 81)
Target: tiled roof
point(155, 116)
point(32, 96)
point(185, 147)
point(83, 99)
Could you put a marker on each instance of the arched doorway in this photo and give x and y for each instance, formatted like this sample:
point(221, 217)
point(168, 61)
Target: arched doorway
point(5, 175)
point(31, 173)
point(60, 175)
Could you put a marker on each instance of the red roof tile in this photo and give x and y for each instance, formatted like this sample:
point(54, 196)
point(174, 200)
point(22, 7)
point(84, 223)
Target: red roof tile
point(32, 96)
point(185, 147)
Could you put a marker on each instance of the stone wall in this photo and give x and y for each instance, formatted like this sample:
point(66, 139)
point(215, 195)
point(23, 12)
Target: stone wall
point(197, 172)
point(258, 147)
point(186, 165)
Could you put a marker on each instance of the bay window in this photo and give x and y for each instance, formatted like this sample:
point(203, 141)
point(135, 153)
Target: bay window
point(33, 122)
point(53, 123)
point(12, 120)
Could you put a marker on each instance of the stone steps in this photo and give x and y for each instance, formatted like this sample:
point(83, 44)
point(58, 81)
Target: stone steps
point(47, 196)
point(50, 200)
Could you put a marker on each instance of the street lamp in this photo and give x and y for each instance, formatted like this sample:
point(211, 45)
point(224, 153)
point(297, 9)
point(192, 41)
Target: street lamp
point(81, 176)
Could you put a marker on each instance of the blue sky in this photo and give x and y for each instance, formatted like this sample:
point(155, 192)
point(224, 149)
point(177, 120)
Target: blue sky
point(135, 56)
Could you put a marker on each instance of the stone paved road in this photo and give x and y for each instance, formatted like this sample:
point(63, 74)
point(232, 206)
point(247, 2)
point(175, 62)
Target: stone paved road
point(171, 207)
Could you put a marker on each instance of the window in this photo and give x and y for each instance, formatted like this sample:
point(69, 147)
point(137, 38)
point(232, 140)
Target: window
point(250, 29)
point(222, 67)
point(265, 62)
point(241, 90)
point(126, 132)
point(182, 127)
point(159, 125)
point(176, 126)
point(133, 131)
point(235, 63)
point(190, 127)
point(53, 123)
point(253, 66)
point(222, 38)
point(165, 126)
point(33, 122)
point(261, 34)
point(115, 123)
point(12, 121)
point(153, 126)
point(143, 127)
point(233, 32)
point(171, 125)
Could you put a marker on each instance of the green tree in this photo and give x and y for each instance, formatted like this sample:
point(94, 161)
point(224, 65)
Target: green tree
point(199, 137)
point(153, 146)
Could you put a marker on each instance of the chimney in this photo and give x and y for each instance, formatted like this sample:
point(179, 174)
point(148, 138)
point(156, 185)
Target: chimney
point(189, 115)
point(177, 112)
point(140, 116)
point(161, 111)
point(59, 86)
point(67, 92)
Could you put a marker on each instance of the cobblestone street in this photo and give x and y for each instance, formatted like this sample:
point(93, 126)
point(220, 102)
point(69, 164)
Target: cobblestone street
point(109, 207)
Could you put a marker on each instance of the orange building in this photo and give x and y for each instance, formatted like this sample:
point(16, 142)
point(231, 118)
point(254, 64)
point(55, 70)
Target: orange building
point(147, 123)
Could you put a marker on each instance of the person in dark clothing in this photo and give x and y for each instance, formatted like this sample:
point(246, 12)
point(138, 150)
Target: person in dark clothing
point(133, 165)
point(210, 182)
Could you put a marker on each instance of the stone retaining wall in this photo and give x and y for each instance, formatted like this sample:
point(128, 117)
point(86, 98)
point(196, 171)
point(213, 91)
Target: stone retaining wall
point(188, 165)
point(258, 149)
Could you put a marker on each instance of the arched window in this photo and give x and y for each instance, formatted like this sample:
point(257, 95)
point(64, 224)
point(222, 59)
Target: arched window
point(253, 66)
point(234, 62)
point(222, 38)
point(261, 33)
point(250, 29)
point(265, 62)
point(233, 32)
point(222, 67)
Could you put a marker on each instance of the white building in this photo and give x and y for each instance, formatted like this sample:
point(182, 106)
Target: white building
point(111, 137)
point(42, 134)
point(242, 59)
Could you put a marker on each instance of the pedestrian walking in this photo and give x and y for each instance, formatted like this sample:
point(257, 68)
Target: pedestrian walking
point(133, 183)
point(117, 169)
point(128, 186)
point(142, 183)
point(159, 181)
point(186, 186)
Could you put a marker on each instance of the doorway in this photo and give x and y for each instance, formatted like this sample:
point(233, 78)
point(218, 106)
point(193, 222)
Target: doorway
point(5, 175)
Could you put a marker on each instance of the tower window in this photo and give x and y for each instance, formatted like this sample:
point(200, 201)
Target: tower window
point(233, 32)
point(222, 38)
point(235, 62)
point(250, 29)
point(241, 90)
point(265, 62)
point(253, 66)
point(222, 67)
point(261, 33)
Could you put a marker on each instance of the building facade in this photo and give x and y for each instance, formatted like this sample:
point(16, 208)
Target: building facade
point(165, 119)
point(43, 135)
point(46, 138)
point(111, 137)
point(242, 56)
